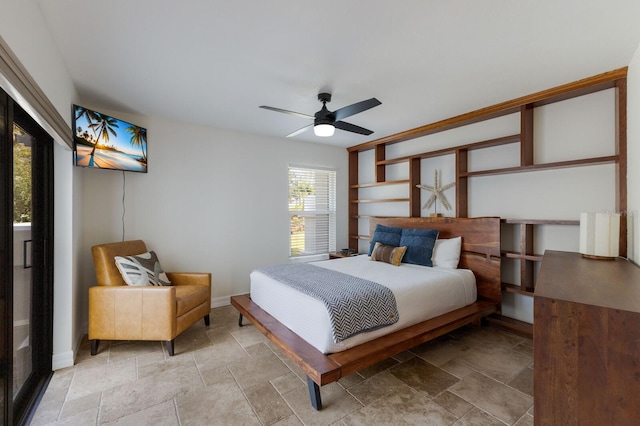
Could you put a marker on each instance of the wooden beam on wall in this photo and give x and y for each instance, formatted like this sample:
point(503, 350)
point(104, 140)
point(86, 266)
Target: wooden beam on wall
point(414, 191)
point(526, 135)
point(353, 195)
point(381, 169)
point(526, 248)
point(462, 203)
point(621, 165)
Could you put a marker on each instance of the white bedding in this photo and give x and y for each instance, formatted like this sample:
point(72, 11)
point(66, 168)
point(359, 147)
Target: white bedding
point(421, 293)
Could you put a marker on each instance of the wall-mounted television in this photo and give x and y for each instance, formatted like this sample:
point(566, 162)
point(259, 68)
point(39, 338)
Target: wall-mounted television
point(105, 142)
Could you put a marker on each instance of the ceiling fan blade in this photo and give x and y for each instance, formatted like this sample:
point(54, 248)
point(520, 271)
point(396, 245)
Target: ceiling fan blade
point(297, 132)
point(299, 114)
point(352, 109)
point(352, 128)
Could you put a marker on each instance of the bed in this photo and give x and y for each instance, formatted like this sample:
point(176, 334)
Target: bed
point(325, 361)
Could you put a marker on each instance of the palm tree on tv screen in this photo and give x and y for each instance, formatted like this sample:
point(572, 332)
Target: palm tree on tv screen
point(139, 138)
point(102, 127)
point(90, 116)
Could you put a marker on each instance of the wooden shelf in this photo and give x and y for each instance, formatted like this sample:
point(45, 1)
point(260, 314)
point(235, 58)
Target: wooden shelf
point(515, 255)
point(359, 216)
point(374, 184)
point(514, 288)
point(546, 166)
point(540, 222)
point(450, 151)
point(517, 326)
point(382, 200)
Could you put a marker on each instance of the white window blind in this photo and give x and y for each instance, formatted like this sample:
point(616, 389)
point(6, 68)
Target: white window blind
point(312, 211)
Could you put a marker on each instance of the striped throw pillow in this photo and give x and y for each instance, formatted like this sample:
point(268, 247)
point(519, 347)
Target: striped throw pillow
point(388, 254)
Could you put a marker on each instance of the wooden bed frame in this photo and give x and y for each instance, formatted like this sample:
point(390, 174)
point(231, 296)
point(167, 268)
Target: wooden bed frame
point(480, 253)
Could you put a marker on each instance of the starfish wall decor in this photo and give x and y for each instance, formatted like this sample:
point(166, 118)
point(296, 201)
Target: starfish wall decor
point(437, 193)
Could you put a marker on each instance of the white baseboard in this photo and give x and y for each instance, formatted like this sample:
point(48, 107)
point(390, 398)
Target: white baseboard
point(62, 360)
point(218, 302)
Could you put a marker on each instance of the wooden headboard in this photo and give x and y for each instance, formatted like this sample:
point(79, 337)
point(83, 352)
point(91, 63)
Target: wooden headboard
point(480, 246)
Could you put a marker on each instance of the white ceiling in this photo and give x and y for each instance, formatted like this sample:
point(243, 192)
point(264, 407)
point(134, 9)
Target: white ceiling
point(214, 62)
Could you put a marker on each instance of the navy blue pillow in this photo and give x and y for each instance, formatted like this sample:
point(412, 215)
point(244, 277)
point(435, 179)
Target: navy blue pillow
point(419, 244)
point(387, 235)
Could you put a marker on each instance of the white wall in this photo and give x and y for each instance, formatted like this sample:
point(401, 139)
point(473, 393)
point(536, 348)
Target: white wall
point(67, 329)
point(633, 143)
point(213, 200)
point(24, 30)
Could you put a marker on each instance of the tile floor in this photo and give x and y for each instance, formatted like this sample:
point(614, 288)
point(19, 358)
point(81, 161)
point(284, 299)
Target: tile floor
point(226, 375)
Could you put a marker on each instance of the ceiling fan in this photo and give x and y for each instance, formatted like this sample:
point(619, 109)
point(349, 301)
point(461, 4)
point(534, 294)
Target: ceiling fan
point(325, 122)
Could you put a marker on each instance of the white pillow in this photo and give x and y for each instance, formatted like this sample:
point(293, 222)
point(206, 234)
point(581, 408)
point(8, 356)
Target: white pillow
point(446, 253)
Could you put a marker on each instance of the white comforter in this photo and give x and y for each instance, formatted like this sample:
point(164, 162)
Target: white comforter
point(421, 293)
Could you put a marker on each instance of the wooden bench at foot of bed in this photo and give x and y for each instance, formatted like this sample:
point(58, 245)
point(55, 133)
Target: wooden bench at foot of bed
point(323, 369)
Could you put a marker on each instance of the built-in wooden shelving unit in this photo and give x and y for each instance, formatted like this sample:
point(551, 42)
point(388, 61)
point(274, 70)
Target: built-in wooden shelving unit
point(525, 107)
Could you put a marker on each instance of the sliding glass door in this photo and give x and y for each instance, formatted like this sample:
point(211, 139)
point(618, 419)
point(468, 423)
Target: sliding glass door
point(26, 270)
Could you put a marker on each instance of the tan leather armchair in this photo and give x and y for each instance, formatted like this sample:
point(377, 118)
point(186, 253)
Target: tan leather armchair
point(121, 312)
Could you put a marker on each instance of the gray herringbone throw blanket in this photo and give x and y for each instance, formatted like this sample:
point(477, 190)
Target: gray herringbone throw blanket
point(354, 304)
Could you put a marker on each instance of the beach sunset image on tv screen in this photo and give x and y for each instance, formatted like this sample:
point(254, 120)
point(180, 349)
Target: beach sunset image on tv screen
point(105, 142)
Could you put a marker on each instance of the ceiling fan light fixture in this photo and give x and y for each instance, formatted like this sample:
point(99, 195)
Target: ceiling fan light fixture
point(324, 130)
point(325, 121)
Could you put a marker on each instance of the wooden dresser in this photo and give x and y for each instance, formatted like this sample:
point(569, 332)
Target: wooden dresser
point(586, 337)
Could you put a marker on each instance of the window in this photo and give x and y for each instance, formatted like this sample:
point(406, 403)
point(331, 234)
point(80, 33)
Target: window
point(21, 175)
point(312, 211)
